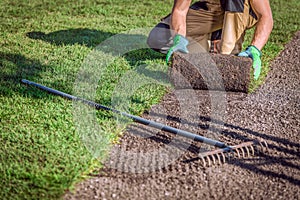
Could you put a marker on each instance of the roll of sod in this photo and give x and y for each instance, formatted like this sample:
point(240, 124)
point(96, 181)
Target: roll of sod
point(203, 71)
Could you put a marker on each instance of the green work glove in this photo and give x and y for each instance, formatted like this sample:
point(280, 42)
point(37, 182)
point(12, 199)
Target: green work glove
point(179, 44)
point(255, 54)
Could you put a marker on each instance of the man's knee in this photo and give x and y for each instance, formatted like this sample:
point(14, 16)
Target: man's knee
point(159, 38)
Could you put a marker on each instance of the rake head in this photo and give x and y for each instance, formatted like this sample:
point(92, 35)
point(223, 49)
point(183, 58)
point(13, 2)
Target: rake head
point(243, 150)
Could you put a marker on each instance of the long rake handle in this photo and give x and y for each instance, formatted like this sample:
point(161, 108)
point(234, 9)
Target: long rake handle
point(137, 119)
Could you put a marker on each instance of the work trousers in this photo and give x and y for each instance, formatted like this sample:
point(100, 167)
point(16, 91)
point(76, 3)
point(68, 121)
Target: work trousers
point(203, 18)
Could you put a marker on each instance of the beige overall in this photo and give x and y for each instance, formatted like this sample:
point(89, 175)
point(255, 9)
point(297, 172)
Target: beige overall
point(202, 22)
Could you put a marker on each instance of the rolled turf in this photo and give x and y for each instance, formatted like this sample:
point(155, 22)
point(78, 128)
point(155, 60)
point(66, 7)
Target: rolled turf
point(203, 71)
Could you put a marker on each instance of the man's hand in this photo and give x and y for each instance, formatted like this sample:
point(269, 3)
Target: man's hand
point(179, 44)
point(255, 54)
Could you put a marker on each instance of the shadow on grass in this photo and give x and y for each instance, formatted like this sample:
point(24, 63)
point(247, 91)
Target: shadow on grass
point(114, 43)
point(15, 67)
point(81, 36)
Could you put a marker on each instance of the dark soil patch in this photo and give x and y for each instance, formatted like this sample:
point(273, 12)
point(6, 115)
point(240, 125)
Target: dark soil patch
point(149, 164)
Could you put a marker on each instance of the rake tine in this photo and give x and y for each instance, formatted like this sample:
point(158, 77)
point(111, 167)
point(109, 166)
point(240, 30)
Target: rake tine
point(218, 158)
point(253, 151)
point(264, 144)
point(238, 152)
point(214, 159)
point(204, 163)
point(248, 152)
point(209, 161)
point(243, 152)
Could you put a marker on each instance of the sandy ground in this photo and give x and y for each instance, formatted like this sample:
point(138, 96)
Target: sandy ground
point(151, 164)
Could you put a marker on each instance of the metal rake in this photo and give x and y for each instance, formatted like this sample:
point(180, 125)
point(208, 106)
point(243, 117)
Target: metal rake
point(208, 158)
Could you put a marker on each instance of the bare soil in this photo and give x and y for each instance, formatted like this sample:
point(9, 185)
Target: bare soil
point(151, 164)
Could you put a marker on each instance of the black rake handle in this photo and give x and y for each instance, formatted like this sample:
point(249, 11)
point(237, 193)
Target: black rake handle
point(137, 119)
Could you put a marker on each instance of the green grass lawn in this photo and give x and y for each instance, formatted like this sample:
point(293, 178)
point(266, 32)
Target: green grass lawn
point(41, 153)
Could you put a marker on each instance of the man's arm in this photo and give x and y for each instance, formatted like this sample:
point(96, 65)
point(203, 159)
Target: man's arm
point(265, 22)
point(262, 32)
point(178, 18)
